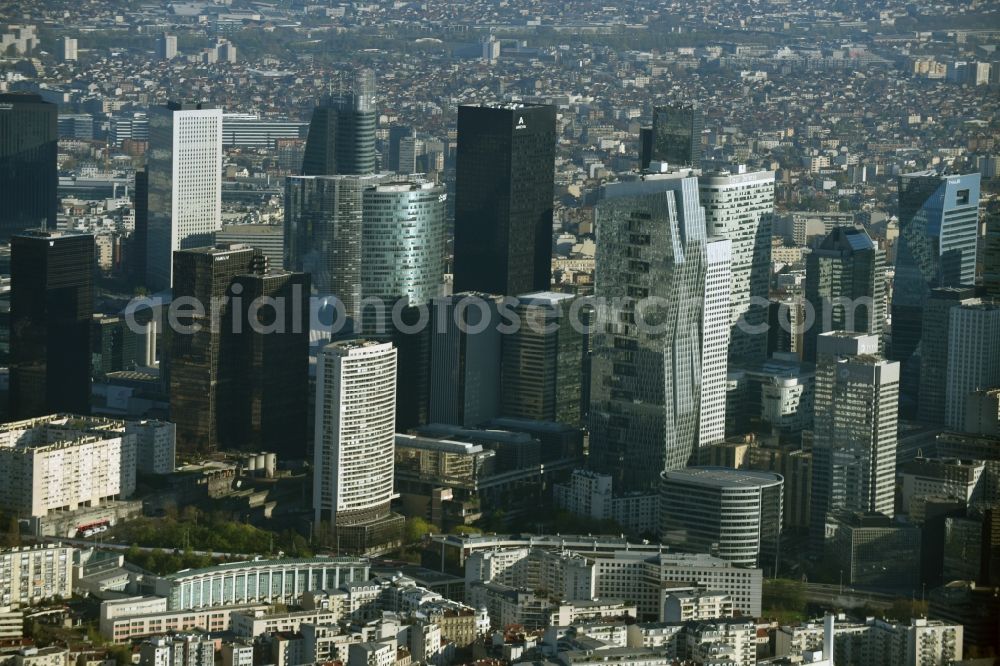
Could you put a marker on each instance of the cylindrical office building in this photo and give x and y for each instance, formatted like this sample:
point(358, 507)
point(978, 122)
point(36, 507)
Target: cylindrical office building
point(731, 513)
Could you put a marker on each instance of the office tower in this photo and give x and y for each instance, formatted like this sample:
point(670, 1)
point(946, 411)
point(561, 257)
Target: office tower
point(269, 363)
point(645, 147)
point(51, 304)
point(166, 46)
point(982, 412)
point(268, 238)
point(403, 259)
point(733, 514)
point(542, 361)
point(184, 174)
point(403, 241)
point(845, 285)
point(69, 50)
point(935, 333)
point(201, 385)
point(116, 347)
point(646, 365)
point(355, 431)
point(715, 342)
point(938, 230)
point(410, 148)
point(504, 188)
point(973, 356)
point(738, 206)
point(465, 359)
point(396, 134)
point(342, 131)
point(676, 135)
point(323, 234)
point(135, 257)
point(28, 171)
point(991, 256)
point(854, 445)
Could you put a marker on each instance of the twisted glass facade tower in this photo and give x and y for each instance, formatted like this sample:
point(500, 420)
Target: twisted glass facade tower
point(646, 368)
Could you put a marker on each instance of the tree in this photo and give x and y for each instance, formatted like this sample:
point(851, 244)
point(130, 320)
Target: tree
point(416, 529)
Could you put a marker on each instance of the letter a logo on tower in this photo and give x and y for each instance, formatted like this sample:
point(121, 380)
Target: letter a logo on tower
point(520, 123)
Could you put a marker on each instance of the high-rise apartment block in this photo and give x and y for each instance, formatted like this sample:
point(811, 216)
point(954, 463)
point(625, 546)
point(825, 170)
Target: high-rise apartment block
point(938, 232)
point(33, 574)
point(738, 206)
point(184, 173)
point(646, 368)
point(51, 305)
point(341, 137)
point(845, 285)
point(855, 428)
point(28, 165)
point(504, 188)
point(355, 433)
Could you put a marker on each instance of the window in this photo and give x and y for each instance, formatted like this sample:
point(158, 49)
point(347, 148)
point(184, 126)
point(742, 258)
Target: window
point(962, 199)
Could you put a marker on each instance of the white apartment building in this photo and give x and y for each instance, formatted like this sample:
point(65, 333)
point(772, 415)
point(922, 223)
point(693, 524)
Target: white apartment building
point(715, 333)
point(685, 605)
point(63, 463)
point(739, 206)
point(184, 167)
point(589, 493)
point(33, 573)
point(354, 440)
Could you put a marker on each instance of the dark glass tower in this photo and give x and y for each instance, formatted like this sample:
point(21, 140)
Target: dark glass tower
point(201, 388)
point(52, 302)
point(270, 366)
point(676, 135)
point(504, 187)
point(342, 132)
point(28, 172)
point(845, 284)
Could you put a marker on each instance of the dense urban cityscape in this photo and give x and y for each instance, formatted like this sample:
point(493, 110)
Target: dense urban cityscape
point(494, 332)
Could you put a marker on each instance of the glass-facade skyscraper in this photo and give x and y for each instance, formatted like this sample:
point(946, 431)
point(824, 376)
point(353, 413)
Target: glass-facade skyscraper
point(646, 368)
point(28, 169)
point(341, 137)
point(51, 304)
point(323, 234)
point(504, 187)
point(846, 265)
point(938, 232)
point(675, 137)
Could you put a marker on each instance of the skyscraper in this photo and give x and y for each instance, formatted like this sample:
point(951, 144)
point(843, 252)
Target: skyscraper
point(166, 46)
point(646, 368)
point(184, 173)
point(855, 429)
point(936, 329)
point(396, 134)
point(28, 172)
point(403, 259)
point(323, 234)
point(199, 363)
point(542, 361)
point(938, 231)
point(504, 188)
point(675, 137)
point(715, 341)
point(465, 360)
point(269, 363)
point(355, 434)
point(51, 304)
point(973, 356)
point(738, 206)
point(341, 136)
point(991, 256)
point(845, 284)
